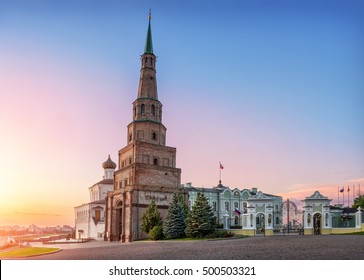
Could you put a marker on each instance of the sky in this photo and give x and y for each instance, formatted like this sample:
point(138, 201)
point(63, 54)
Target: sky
point(273, 90)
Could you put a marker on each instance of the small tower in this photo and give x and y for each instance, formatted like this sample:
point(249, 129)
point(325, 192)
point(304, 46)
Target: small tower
point(109, 167)
point(99, 190)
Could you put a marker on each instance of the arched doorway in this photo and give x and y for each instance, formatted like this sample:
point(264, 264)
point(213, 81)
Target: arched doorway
point(317, 223)
point(118, 222)
point(260, 222)
point(236, 220)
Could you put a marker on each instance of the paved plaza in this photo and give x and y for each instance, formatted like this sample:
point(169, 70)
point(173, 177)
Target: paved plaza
point(293, 247)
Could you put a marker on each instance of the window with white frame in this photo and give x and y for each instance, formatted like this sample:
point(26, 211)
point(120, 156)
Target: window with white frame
point(227, 206)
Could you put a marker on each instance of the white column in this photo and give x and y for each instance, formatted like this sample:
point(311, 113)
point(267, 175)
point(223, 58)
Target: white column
point(226, 220)
point(251, 217)
point(358, 218)
point(308, 218)
point(326, 212)
point(269, 217)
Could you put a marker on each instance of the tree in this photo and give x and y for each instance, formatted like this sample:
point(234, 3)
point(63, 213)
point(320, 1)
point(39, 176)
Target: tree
point(359, 201)
point(156, 233)
point(151, 218)
point(184, 205)
point(201, 220)
point(174, 226)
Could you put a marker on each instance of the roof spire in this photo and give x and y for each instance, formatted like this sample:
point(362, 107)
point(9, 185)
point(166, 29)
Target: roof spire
point(148, 43)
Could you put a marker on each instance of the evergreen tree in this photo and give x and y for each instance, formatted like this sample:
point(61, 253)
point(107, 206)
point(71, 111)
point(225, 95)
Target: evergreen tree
point(182, 201)
point(151, 218)
point(201, 220)
point(359, 201)
point(174, 226)
point(156, 233)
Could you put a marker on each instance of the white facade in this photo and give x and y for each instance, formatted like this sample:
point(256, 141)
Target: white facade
point(317, 216)
point(90, 217)
point(90, 220)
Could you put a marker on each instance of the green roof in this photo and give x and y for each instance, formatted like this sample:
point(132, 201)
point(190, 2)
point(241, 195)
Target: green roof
point(148, 42)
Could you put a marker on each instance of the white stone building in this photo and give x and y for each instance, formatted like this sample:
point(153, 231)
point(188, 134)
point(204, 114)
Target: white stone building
point(90, 217)
point(322, 218)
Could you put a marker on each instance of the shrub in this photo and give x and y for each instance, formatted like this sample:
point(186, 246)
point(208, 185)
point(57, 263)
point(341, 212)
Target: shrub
point(220, 234)
point(156, 233)
point(151, 218)
point(235, 227)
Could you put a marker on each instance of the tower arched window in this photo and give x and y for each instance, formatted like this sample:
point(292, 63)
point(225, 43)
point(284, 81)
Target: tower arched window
point(154, 136)
point(142, 109)
point(155, 161)
point(153, 110)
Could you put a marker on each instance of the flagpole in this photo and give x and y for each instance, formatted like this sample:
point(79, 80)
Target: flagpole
point(359, 190)
point(338, 197)
point(348, 195)
point(353, 193)
point(219, 172)
point(343, 197)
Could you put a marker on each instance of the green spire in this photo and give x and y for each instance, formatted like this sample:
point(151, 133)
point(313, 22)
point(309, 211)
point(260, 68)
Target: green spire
point(148, 42)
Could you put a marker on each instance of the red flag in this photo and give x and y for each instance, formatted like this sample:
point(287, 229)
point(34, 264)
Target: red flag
point(348, 189)
point(221, 167)
point(342, 190)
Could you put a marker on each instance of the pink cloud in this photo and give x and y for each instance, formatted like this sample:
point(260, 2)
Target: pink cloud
point(301, 191)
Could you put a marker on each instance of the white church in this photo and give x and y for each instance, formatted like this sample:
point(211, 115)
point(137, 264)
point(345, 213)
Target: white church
point(90, 217)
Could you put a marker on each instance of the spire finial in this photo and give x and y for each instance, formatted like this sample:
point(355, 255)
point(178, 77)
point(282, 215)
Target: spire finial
point(148, 42)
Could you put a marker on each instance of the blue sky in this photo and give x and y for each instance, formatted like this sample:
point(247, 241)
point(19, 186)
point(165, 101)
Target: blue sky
point(272, 89)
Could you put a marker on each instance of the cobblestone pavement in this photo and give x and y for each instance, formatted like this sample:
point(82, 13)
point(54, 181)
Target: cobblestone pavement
point(255, 248)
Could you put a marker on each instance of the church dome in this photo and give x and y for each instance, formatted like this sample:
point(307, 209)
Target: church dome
point(109, 164)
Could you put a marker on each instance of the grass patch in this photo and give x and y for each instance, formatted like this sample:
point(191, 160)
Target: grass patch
point(217, 235)
point(27, 252)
